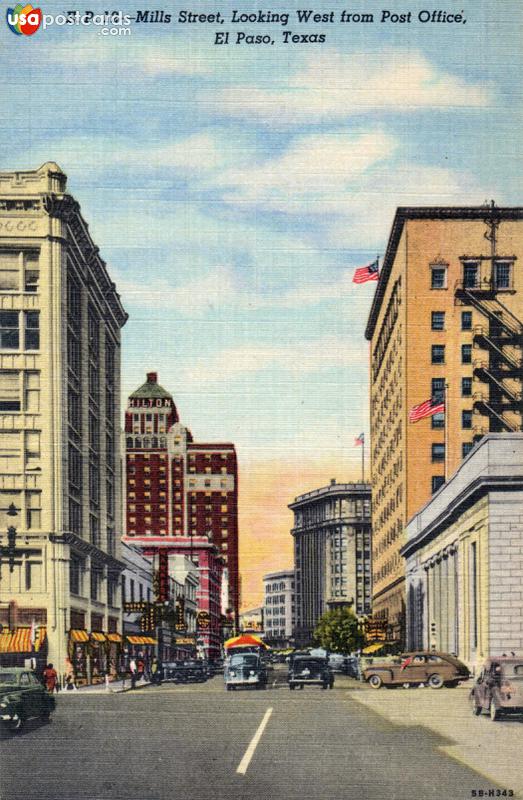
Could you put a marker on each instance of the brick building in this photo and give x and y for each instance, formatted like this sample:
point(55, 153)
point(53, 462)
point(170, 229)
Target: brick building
point(445, 323)
point(182, 498)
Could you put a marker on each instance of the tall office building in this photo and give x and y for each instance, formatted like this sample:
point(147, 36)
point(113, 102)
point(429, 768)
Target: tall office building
point(445, 325)
point(182, 498)
point(332, 553)
point(60, 321)
point(278, 607)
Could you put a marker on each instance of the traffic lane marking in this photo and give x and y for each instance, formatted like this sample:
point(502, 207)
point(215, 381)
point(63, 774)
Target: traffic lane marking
point(246, 760)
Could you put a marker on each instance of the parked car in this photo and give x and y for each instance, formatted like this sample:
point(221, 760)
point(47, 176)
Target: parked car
point(22, 696)
point(216, 666)
point(189, 671)
point(245, 669)
point(336, 662)
point(350, 667)
point(310, 671)
point(499, 687)
point(431, 668)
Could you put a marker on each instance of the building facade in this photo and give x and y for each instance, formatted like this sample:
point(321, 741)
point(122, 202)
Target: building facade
point(278, 607)
point(332, 553)
point(60, 321)
point(182, 499)
point(464, 557)
point(445, 324)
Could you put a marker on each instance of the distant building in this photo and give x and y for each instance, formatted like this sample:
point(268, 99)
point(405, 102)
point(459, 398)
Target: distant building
point(332, 553)
point(464, 557)
point(252, 621)
point(60, 323)
point(278, 607)
point(182, 499)
point(446, 324)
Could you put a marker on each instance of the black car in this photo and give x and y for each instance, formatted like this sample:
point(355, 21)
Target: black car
point(310, 671)
point(190, 671)
point(22, 696)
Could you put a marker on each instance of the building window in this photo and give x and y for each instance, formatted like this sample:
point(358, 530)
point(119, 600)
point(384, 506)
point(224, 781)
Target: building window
point(76, 570)
point(438, 353)
point(470, 274)
point(33, 504)
point(32, 330)
point(466, 420)
point(75, 517)
point(9, 272)
point(438, 388)
point(437, 481)
point(466, 354)
point(438, 320)
point(466, 447)
point(466, 320)
point(9, 391)
point(438, 276)
point(466, 387)
point(438, 452)
point(502, 275)
point(9, 330)
point(438, 420)
point(96, 582)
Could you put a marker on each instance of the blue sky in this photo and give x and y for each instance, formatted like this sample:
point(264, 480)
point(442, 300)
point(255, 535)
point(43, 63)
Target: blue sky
point(233, 190)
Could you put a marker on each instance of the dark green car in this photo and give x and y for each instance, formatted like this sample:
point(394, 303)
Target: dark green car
point(22, 696)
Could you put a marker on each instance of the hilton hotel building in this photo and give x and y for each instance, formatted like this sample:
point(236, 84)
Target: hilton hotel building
point(60, 321)
point(446, 322)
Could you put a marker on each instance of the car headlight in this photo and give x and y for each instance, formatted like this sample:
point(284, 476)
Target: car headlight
point(232, 674)
point(251, 672)
point(3, 705)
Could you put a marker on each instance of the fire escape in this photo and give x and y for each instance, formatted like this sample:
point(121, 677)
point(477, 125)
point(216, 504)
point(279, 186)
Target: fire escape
point(497, 335)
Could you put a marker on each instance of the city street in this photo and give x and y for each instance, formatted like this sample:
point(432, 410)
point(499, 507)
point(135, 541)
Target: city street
point(200, 742)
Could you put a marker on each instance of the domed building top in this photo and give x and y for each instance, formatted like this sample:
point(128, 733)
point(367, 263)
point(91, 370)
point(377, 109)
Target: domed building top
point(151, 389)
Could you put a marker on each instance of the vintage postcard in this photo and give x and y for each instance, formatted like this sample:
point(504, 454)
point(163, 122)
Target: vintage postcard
point(261, 400)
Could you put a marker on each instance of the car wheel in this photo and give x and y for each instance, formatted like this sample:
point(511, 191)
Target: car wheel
point(331, 686)
point(16, 725)
point(435, 681)
point(292, 687)
point(375, 681)
point(476, 710)
point(494, 712)
point(324, 686)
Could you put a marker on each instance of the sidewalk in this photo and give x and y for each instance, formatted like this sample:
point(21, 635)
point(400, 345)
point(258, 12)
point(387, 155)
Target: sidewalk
point(492, 749)
point(114, 687)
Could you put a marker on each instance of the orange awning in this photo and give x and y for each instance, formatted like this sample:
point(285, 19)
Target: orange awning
point(78, 635)
point(114, 637)
point(97, 636)
point(246, 640)
point(141, 640)
point(19, 640)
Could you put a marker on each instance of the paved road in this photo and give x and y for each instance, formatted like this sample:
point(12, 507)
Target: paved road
point(171, 743)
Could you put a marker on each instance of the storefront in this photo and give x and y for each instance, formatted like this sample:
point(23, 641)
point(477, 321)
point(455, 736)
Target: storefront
point(140, 647)
point(78, 652)
point(19, 646)
point(114, 654)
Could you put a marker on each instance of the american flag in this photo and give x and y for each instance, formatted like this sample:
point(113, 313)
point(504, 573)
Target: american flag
point(359, 440)
point(368, 273)
point(435, 405)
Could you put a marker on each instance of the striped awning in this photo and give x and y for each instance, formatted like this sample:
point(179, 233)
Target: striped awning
point(78, 635)
point(19, 640)
point(97, 636)
point(114, 637)
point(141, 640)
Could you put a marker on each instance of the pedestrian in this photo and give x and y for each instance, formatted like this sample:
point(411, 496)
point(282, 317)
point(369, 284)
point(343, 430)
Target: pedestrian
point(50, 678)
point(140, 667)
point(70, 683)
point(133, 669)
point(156, 673)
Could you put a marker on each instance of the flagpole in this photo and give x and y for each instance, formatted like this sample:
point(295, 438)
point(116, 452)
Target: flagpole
point(446, 418)
point(363, 461)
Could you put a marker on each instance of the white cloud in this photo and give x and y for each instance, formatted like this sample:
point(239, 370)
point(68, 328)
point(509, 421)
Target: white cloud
point(115, 52)
point(338, 86)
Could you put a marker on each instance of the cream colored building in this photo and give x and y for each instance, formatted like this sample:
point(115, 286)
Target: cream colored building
point(464, 557)
point(445, 320)
point(60, 321)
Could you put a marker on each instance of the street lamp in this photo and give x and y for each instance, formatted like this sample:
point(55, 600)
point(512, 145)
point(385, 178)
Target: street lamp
point(10, 550)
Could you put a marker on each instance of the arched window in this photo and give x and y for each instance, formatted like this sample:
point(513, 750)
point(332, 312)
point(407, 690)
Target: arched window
point(155, 441)
point(163, 441)
point(146, 442)
point(129, 441)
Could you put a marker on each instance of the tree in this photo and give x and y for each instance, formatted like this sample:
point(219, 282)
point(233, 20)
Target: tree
point(338, 631)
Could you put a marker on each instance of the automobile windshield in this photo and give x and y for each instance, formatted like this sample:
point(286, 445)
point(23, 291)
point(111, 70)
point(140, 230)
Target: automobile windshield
point(248, 661)
point(299, 666)
point(8, 678)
